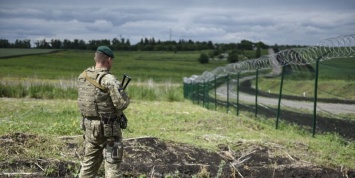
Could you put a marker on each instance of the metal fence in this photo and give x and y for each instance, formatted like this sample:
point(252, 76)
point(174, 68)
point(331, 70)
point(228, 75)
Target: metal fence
point(245, 86)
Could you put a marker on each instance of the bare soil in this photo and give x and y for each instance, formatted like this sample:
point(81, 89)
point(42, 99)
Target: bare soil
point(156, 158)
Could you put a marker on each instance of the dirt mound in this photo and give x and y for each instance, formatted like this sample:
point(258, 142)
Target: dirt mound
point(152, 157)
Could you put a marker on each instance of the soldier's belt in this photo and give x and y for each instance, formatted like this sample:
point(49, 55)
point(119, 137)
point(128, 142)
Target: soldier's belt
point(109, 120)
point(104, 119)
point(92, 118)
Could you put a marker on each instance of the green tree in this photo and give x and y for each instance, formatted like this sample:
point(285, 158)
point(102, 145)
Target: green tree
point(42, 44)
point(4, 43)
point(203, 59)
point(233, 56)
point(246, 45)
point(67, 44)
point(22, 43)
point(262, 45)
point(56, 43)
point(258, 51)
point(79, 44)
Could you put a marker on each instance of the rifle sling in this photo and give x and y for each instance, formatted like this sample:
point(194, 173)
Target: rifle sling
point(93, 81)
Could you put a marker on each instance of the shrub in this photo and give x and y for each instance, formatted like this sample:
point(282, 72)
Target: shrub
point(203, 59)
point(233, 57)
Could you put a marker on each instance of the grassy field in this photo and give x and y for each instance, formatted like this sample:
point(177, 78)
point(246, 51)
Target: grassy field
point(11, 52)
point(49, 76)
point(338, 69)
point(157, 83)
point(140, 65)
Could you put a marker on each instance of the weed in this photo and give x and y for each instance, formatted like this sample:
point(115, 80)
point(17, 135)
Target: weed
point(220, 168)
point(203, 173)
point(49, 171)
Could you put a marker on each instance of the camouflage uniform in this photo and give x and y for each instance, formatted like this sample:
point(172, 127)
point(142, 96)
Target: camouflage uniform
point(100, 108)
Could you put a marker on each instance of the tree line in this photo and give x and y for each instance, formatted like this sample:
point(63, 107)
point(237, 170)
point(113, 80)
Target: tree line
point(145, 44)
point(233, 51)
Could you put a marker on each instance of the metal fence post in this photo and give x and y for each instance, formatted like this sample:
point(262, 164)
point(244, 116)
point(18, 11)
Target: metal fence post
point(186, 90)
point(198, 93)
point(215, 93)
point(315, 93)
point(204, 93)
point(315, 99)
point(280, 96)
point(238, 89)
point(256, 92)
point(228, 93)
point(207, 95)
point(191, 91)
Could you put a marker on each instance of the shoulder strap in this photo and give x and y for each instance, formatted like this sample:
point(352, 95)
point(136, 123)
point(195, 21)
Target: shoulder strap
point(93, 81)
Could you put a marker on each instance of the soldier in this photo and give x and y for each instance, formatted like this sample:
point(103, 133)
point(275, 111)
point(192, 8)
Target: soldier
point(101, 102)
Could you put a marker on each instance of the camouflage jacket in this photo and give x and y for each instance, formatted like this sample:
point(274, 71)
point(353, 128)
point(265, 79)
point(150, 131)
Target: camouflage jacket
point(107, 100)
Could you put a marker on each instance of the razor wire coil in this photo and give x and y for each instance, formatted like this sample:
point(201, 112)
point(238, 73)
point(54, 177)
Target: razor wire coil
point(338, 47)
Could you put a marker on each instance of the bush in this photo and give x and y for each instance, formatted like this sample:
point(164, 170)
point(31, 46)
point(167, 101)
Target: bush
point(233, 57)
point(203, 59)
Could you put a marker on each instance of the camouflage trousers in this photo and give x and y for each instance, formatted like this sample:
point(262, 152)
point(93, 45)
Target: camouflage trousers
point(95, 149)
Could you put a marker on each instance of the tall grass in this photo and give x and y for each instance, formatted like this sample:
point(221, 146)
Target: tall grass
point(141, 90)
point(152, 91)
point(38, 91)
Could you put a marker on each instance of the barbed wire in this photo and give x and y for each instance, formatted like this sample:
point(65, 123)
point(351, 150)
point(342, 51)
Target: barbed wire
point(332, 48)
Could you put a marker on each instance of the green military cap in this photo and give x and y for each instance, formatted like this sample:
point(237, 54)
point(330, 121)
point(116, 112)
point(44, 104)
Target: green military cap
point(106, 50)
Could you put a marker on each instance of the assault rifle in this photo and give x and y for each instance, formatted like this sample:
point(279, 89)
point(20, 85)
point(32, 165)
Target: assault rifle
point(123, 119)
point(124, 85)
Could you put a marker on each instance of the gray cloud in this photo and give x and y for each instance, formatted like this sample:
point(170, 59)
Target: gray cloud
point(272, 21)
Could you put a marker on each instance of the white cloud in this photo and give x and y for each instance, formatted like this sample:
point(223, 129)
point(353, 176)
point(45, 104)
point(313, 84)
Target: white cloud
point(272, 21)
point(100, 25)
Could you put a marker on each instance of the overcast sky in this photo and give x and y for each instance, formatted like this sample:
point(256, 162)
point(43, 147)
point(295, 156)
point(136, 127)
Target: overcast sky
point(303, 22)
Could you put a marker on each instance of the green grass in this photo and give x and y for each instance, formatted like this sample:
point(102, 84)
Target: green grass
point(53, 76)
point(338, 69)
point(339, 89)
point(39, 116)
point(9, 52)
point(251, 54)
point(177, 121)
point(140, 65)
point(39, 91)
point(336, 80)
